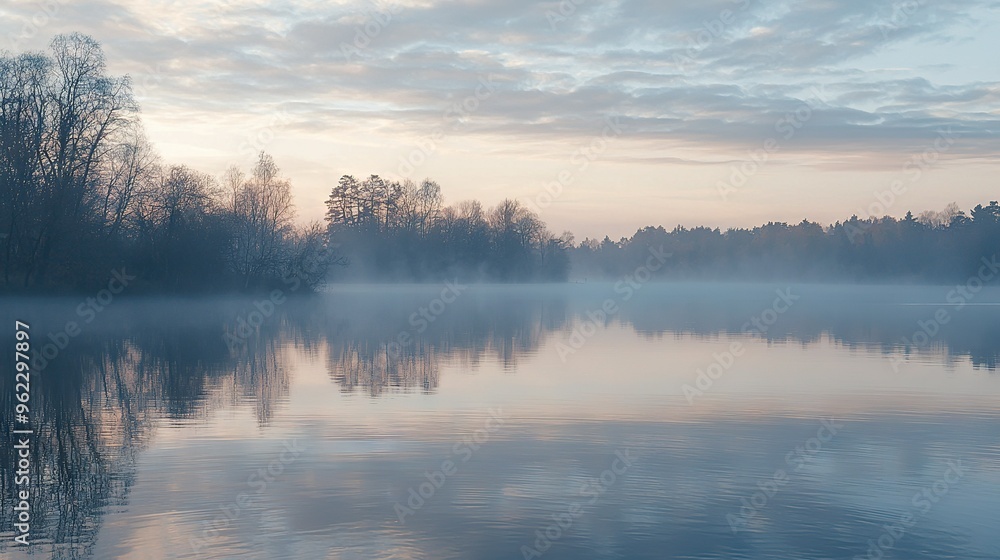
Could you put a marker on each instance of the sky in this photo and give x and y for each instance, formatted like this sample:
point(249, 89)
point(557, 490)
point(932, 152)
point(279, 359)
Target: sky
point(603, 117)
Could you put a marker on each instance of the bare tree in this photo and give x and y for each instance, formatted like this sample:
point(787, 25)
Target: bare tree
point(75, 116)
point(262, 213)
point(23, 98)
point(131, 168)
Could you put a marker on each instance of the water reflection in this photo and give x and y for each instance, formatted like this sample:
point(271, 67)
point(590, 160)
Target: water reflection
point(382, 342)
point(148, 364)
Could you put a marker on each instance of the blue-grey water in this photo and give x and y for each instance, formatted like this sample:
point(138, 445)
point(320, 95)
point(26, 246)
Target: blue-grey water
point(507, 422)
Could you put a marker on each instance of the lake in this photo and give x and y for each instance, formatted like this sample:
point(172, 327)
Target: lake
point(578, 421)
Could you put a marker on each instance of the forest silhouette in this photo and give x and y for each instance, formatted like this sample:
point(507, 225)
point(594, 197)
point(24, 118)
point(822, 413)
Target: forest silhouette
point(84, 193)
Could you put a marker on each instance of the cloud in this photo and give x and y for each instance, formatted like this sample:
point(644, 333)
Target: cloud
point(720, 74)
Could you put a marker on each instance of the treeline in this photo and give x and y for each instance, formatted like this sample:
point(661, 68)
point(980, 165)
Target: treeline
point(83, 193)
point(391, 230)
point(947, 246)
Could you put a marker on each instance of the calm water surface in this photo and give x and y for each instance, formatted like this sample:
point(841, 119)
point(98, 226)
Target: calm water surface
point(689, 421)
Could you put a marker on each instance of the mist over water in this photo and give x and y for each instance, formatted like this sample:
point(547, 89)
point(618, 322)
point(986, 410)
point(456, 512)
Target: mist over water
point(579, 421)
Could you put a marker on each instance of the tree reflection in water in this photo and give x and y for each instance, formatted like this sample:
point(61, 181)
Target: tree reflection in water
point(96, 406)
